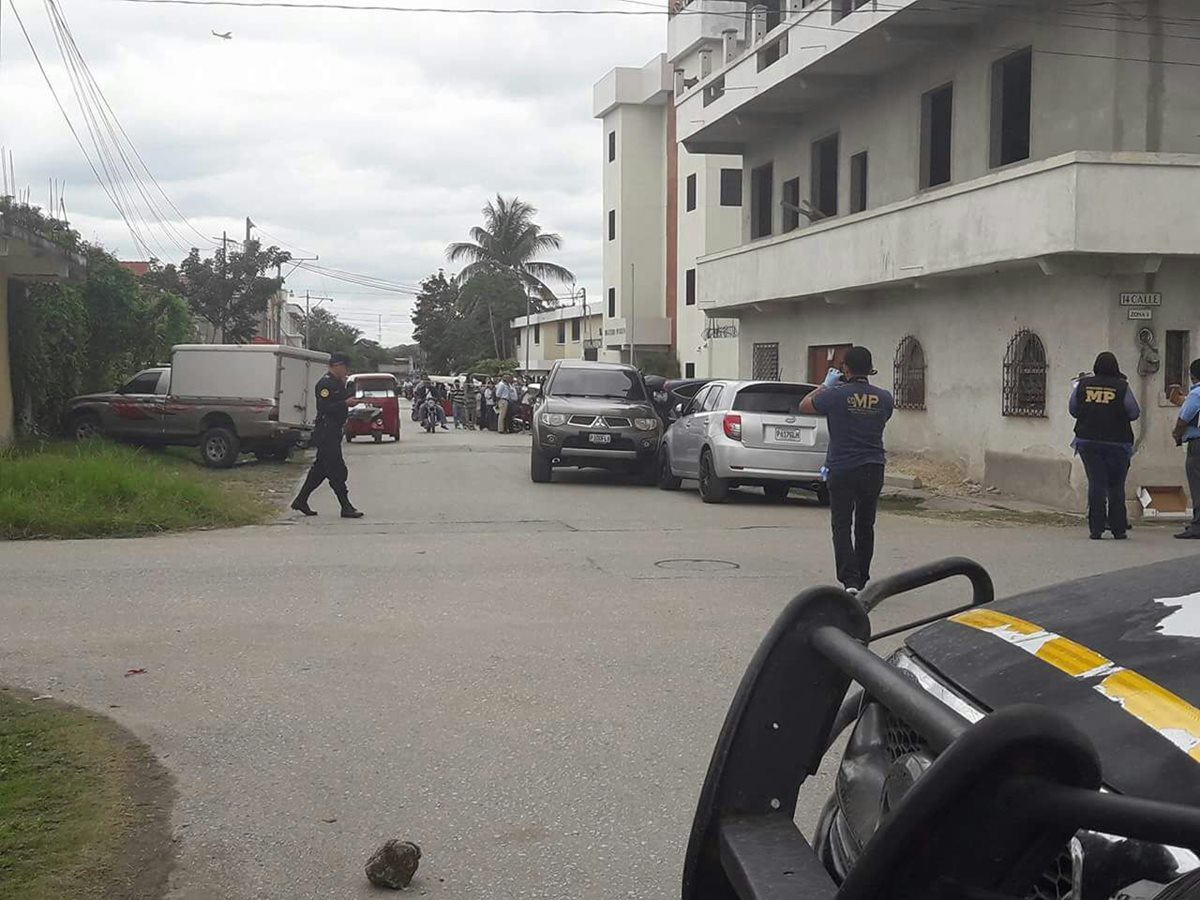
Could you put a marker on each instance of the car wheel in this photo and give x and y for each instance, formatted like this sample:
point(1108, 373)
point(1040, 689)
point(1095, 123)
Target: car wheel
point(219, 448)
point(822, 493)
point(777, 491)
point(712, 488)
point(378, 438)
point(85, 426)
point(541, 471)
point(349, 437)
point(666, 479)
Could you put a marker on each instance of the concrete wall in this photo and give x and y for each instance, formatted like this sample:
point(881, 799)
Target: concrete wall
point(964, 326)
point(7, 424)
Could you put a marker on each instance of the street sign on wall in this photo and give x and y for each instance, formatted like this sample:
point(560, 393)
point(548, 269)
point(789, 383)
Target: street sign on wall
point(1141, 314)
point(1141, 298)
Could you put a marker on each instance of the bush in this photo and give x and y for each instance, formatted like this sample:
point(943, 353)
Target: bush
point(98, 489)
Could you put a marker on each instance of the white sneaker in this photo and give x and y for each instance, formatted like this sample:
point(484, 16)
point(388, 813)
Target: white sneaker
point(853, 592)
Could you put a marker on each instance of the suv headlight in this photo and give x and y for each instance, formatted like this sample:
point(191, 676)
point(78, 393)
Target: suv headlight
point(553, 419)
point(645, 424)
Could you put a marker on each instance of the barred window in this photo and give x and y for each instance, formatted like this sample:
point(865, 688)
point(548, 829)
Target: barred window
point(908, 374)
point(765, 362)
point(1025, 376)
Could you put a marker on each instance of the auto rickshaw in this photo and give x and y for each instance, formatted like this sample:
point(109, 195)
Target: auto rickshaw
point(381, 391)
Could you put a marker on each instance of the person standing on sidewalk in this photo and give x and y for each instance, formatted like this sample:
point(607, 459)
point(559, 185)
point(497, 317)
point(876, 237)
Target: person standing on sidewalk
point(1187, 431)
point(458, 404)
point(470, 401)
point(857, 412)
point(333, 404)
point(1104, 409)
point(506, 398)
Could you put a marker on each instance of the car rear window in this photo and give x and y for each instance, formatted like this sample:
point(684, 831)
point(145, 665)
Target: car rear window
point(612, 384)
point(783, 399)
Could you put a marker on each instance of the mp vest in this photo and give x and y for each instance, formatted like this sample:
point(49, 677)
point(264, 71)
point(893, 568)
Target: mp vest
point(1101, 410)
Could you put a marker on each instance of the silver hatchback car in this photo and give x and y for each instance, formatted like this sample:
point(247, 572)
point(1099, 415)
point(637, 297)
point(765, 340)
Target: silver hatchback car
point(739, 433)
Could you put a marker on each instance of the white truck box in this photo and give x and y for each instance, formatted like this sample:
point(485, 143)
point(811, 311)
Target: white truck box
point(284, 375)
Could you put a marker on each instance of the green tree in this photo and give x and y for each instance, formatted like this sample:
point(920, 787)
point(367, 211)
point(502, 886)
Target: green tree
point(230, 290)
point(488, 302)
point(437, 323)
point(511, 240)
point(329, 334)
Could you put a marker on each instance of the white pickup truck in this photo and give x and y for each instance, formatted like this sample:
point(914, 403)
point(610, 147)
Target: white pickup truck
point(225, 399)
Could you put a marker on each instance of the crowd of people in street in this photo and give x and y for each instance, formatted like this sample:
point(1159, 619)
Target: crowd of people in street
point(477, 403)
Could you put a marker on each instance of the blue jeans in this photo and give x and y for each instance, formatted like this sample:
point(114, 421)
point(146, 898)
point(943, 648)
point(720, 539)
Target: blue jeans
point(1106, 466)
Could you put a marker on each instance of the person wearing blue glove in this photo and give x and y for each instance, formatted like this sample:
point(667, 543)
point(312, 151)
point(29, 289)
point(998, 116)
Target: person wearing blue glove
point(857, 412)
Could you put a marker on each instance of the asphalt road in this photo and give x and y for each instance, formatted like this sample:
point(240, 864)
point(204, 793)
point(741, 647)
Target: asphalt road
point(525, 679)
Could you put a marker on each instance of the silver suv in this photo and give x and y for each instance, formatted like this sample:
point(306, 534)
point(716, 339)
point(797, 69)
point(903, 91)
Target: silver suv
point(594, 415)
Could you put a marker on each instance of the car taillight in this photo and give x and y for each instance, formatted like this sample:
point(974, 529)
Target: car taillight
point(733, 426)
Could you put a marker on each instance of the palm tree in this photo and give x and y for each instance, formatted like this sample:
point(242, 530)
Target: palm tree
point(510, 240)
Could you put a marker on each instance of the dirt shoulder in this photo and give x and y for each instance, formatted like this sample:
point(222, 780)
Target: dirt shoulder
point(84, 806)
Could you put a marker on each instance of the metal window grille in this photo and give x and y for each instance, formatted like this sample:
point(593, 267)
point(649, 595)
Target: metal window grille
point(908, 374)
point(766, 362)
point(1025, 376)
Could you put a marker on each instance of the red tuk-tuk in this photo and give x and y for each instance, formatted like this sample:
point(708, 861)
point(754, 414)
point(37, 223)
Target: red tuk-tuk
point(381, 391)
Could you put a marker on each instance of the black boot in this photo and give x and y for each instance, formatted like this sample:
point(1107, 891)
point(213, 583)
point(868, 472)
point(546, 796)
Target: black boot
point(300, 504)
point(348, 510)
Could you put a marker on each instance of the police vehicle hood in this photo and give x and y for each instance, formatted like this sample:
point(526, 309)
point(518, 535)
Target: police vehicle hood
point(1118, 654)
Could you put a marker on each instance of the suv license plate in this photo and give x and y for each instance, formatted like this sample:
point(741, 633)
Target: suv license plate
point(599, 438)
point(789, 435)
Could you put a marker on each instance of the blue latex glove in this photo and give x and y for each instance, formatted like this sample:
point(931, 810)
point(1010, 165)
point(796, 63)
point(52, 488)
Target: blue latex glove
point(832, 377)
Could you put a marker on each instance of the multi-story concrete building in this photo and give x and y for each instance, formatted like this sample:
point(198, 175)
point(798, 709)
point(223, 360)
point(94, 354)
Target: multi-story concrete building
point(569, 332)
point(984, 195)
point(663, 209)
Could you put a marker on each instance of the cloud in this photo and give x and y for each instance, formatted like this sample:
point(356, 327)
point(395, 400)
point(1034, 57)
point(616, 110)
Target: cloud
point(372, 139)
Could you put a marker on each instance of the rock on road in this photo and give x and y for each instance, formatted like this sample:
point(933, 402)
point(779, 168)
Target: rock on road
point(524, 679)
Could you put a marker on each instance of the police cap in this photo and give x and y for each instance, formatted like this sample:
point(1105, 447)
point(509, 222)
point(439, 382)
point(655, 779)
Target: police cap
point(339, 359)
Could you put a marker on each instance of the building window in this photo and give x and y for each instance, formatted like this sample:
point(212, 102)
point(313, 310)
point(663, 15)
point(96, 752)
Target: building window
point(1176, 378)
point(612, 224)
point(691, 192)
point(574, 331)
point(765, 362)
point(908, 375)
point(858, 182)
point(612, 303)
point(689, 290)
point(825, 175)
point(562, 332)
point(762, 189)
point(1025, 376)
point(537, 334)
point(843, 8)
point(689, 370)
point(791, 205)
point(731, 187)
point(1012, 100)
point(612, 146)
point(937, 116)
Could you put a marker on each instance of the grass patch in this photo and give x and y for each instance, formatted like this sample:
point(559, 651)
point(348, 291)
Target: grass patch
point(100, 489)
point(76, 819)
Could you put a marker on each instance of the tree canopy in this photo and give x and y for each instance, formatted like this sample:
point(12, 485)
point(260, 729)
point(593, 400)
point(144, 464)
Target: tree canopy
point(330, 334)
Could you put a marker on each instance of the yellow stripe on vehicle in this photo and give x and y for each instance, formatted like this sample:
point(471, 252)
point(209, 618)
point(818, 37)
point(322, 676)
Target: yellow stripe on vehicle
point(1150, 703)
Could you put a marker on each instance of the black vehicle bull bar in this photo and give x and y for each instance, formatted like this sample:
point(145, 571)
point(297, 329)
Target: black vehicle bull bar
point(1000, 801)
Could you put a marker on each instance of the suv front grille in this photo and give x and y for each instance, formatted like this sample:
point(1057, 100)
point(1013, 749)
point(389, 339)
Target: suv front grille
point(617, 422)
point(901, 739)
point(582, 421)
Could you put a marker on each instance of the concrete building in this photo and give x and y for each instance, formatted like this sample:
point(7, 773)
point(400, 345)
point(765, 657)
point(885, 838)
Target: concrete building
point(569, 332)
point(663, 209)
point(25, 256)
point(985, 197)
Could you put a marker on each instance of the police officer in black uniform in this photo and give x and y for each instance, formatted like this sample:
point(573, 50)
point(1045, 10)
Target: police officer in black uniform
point(333, 403)
point(1104, 406)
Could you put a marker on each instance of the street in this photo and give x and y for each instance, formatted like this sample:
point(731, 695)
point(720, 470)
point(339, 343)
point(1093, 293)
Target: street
point(524, 679)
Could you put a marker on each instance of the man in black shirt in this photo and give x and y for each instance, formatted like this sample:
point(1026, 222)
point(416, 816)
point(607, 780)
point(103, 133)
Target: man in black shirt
point(333, 403)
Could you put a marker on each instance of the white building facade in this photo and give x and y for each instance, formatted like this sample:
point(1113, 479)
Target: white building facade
point(986, 198)
point(569, 332)
point(664, 208)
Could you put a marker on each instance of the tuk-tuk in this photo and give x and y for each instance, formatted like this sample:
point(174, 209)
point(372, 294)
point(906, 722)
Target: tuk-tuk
point(379, 390)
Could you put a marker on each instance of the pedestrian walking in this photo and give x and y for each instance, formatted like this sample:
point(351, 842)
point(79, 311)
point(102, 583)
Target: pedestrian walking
point(333, 404)
point(506, 399)
point(1104, 409)
point(1187, 431)
point(470, 401)
point(857, 412)
point(458, 404)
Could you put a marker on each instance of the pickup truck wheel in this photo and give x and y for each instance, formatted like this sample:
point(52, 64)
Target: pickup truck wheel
point(777, 491)
point(219, 448)
point(85, 426)
point(712, 488)
point(541, 470)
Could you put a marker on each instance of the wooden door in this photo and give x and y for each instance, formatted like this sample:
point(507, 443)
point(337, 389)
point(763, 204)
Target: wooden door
point(824, 357)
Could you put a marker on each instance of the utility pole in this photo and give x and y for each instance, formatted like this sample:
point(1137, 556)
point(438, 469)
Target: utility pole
point(528, 329)
point(307, 322)
point(632, 326)
point(249, 225)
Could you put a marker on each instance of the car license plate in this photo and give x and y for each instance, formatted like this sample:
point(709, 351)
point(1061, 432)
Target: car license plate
point(789, 435)
point(599, 438)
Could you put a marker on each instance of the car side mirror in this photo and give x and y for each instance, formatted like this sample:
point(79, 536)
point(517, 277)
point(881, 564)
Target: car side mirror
point(679, 410)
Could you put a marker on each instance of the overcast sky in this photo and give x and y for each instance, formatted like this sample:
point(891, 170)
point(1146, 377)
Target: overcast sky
point(369, 138)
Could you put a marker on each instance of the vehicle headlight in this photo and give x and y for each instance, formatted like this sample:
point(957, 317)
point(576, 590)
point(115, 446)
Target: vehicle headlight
point(645, 424)
point(553, 419)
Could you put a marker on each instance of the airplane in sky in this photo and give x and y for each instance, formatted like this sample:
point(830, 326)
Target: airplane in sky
point(227, 36)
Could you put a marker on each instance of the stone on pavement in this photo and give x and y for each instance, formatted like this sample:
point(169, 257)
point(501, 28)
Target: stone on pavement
point(394, 864)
